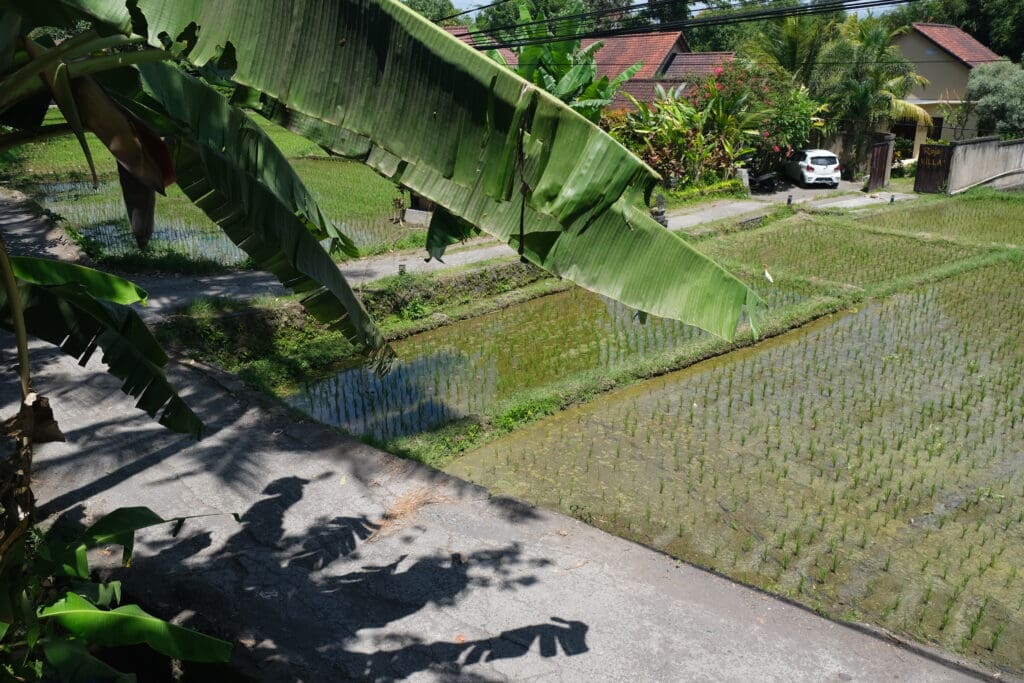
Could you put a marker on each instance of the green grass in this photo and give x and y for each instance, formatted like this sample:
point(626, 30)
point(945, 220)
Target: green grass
point(833, 249)
point(727, 189)
point(981, 216)
point(276, 348)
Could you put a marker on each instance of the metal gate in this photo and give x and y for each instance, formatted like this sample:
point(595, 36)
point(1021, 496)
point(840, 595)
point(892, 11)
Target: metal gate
point(932, 168)
point(881, 164)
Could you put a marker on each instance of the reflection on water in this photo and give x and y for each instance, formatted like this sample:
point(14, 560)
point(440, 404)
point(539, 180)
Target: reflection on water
point(467, 367)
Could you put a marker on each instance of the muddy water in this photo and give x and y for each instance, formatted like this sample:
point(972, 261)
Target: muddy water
point(871, 465)
point(465, 367)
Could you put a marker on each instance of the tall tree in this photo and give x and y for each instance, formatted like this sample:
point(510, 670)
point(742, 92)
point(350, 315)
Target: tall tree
point(435, 10)
point(998, 24)
point(997, 91)
point(793, 44)
point(863, 79)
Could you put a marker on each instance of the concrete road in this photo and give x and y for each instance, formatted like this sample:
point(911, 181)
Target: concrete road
point(319, 582)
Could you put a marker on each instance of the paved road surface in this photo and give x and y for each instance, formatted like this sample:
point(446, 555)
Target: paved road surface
point(312, 586)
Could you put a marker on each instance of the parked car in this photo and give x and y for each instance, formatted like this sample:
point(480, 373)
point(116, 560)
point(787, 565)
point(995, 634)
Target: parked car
point(813, 167)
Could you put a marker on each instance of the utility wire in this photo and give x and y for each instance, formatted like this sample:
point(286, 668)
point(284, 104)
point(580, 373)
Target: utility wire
point(733, 18)
point(760, 15)
point(568, 19)
point(472, 9)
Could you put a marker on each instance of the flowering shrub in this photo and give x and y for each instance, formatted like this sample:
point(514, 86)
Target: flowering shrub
point(699, 132)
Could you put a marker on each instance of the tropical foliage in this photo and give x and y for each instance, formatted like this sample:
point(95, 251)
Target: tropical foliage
point(417, 105)
point(997, 91)
point(792, 45)
point(564, 68)
point(863, 80)
point(690, 141)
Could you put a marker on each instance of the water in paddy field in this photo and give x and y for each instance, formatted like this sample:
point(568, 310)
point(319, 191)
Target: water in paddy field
point(468, 366)
point(99, 215)
point(872, 464)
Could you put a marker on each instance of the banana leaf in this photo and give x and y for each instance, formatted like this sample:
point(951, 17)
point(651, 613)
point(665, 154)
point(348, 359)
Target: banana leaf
point(130, 625)
point(75, 664)
point(237, 176)
point(44, 271)
point(375, 80)
point(69, 317)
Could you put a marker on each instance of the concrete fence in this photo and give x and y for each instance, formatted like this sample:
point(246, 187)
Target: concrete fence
point(985, 161)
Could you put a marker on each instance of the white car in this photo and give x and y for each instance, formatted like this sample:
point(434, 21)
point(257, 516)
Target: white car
point(813, 167)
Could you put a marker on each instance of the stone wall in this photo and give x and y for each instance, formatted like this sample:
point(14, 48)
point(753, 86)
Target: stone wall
point(984, 160)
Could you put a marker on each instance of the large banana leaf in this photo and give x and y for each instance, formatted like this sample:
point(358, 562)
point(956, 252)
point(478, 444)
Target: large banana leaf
point(238, 177)
point(373, 79)
point(129, 625)
point(68, 316)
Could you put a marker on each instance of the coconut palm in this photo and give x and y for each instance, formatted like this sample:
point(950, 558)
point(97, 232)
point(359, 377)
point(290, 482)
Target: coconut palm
point(793, 44)
point(863, 78)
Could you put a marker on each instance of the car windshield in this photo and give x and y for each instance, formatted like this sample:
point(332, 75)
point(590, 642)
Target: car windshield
point(824, 161)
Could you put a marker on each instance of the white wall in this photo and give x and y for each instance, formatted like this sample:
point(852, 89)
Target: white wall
point(975, 162)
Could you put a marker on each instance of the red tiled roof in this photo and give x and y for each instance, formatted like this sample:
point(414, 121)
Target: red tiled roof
point(702, 64)
point(642, 89)
point(957, 42)
point(652, 50)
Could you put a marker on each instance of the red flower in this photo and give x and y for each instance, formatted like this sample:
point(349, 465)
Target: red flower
point(775, 148)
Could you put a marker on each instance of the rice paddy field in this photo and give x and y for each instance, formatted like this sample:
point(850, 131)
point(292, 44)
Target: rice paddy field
point(55, 173)
point(869, 465)
point(476, 366)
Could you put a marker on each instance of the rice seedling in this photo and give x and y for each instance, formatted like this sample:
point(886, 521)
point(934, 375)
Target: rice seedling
point(902, 475)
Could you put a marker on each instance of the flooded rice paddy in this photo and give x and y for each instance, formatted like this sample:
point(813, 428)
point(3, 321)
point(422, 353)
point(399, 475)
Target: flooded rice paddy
point(180, 227)
point(468, 366)
point(871, 466)
point(816, 246)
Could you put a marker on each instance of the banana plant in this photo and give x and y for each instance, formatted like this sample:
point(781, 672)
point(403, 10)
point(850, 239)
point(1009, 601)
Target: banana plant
point(564, 68)
point(365, 79)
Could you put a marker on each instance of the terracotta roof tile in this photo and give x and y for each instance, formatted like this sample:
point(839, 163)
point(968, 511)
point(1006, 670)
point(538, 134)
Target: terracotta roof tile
point(701, 64)
point(650, 49)
point(957, 42)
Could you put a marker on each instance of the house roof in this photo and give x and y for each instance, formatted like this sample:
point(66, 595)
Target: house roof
point(702, 64)
point(957, 42)
point(653, 50)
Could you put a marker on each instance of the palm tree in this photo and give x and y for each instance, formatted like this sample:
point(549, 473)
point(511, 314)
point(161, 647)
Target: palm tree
point(863, 79)
point(793, 44)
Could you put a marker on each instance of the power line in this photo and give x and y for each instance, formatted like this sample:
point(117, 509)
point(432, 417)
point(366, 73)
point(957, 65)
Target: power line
point(471, 10)
point(815, 62)
point(564, 23)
